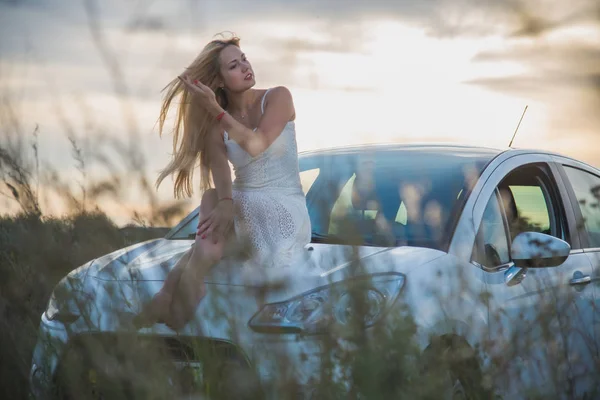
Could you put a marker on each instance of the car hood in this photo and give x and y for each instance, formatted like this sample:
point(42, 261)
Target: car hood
point(152, 260)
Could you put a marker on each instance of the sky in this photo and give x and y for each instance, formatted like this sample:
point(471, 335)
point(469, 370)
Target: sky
point(376, 71)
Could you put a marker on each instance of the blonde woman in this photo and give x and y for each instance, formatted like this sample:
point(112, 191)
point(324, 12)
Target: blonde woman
point(222, 118)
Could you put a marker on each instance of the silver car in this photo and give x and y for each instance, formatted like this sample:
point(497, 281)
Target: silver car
point(492, 255)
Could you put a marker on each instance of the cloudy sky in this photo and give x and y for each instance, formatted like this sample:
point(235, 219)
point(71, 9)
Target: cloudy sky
point(360, 71)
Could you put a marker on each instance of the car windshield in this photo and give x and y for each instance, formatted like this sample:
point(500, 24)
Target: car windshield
point(383, 198)
point(390, 198)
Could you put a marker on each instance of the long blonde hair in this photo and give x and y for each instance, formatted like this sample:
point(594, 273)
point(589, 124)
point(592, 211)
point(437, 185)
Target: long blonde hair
point(192, 124)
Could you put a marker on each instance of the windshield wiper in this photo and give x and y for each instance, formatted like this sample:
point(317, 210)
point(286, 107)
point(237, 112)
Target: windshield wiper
point(320, 238)
point(365, 240)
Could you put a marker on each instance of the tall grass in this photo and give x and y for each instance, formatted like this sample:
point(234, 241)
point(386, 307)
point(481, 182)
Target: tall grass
point(38, 248)
point(384, 362)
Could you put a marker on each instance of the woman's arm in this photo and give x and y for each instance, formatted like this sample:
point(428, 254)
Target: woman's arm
point(218, 221)
point(278, 112)
point(219, 164)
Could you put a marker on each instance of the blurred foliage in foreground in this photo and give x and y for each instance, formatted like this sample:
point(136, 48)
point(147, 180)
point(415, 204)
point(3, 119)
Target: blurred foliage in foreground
point(37, 250)
point(36, 253)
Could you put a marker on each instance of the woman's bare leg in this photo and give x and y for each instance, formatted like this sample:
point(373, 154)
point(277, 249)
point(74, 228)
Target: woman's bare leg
point(159, 308)
point(160, 305)
point(190, 287)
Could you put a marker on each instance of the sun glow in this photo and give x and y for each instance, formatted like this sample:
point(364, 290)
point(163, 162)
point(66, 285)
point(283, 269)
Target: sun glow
point(406, 86)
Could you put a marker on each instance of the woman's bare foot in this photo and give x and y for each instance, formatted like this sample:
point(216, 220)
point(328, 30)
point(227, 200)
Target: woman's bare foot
point(156, 311)
point(190, 287)
point(190, 291)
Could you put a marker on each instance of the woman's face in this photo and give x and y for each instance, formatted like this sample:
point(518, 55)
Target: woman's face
point(236, 70)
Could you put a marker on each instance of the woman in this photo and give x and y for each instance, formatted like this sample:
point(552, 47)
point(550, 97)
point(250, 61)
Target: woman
point(223, 118)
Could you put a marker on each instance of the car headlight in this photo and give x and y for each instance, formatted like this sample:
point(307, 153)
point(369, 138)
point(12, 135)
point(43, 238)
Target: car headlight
point(60, 311)
point(313, 312)
point(64, 305)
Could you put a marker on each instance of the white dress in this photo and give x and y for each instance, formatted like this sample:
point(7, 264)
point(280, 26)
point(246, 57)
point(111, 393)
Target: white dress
point(271, 214)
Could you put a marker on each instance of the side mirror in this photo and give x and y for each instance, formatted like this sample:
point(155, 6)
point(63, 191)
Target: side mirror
point(538, 250)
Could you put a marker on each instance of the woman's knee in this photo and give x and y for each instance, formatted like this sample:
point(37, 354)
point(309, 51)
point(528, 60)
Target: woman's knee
point(207, 250)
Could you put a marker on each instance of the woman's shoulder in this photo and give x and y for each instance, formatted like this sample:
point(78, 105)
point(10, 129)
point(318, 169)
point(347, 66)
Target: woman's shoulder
point(280, 95)
point(279, 91)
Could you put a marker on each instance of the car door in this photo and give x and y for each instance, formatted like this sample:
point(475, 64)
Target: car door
point(583, 185)
point(532, 333)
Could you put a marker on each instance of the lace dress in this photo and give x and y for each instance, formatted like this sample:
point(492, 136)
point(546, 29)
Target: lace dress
point(270, 207)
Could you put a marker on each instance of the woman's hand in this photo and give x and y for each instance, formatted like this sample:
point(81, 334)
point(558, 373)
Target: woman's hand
point(218, 223)
point(205, 96)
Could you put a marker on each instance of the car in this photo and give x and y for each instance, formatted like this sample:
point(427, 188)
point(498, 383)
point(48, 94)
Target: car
point(493, 253)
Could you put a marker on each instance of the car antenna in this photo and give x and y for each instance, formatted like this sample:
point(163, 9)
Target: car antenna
point(519, 124)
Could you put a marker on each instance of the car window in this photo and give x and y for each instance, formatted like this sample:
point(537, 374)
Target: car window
point(528, 203)
point(492, 235)
point(523, 203)
point(308, 178)
point(587, 190)
point(187, 231)
point(372, 203)
point(343, 209)
point(532, 209)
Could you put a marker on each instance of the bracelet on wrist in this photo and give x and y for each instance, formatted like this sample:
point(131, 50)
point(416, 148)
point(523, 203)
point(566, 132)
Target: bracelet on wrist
point(220, 116)
point(225, 198)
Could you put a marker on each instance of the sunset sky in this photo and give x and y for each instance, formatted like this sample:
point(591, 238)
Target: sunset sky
point(360, 71)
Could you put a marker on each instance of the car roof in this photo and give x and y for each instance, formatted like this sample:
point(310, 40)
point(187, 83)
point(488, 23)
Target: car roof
point(442, 148)
point(464, 150)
